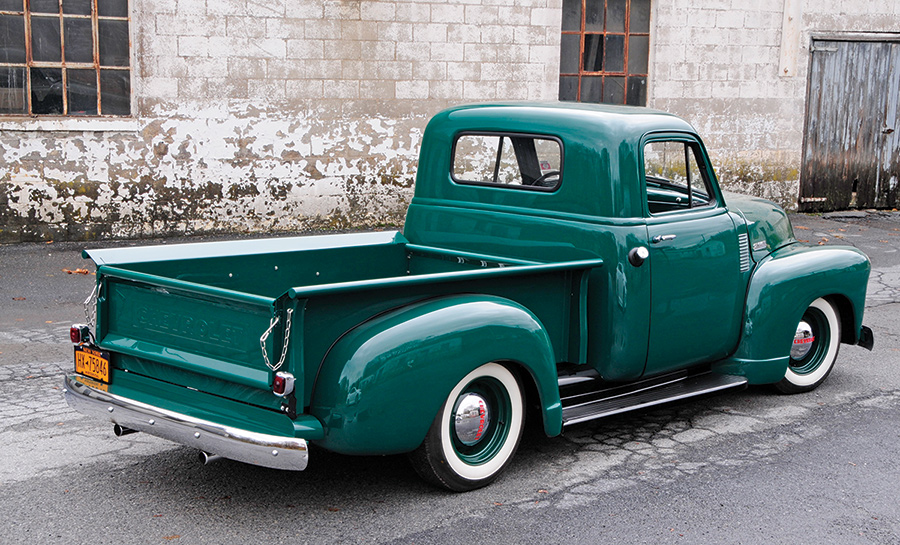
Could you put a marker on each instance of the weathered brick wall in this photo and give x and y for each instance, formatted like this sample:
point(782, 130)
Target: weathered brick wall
point(271, 116)
point(718, 64)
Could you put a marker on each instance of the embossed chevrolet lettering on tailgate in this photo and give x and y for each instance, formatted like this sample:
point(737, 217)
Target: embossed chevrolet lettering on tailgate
point(195, 324)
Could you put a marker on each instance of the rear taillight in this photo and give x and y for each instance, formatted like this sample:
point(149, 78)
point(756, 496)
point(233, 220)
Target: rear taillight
point(282, 384)
point(80, 333)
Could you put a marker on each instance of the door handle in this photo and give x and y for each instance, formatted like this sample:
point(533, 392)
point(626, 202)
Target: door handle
point(662, 238)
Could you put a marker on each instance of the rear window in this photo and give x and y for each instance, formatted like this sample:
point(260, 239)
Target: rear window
point(508, 160)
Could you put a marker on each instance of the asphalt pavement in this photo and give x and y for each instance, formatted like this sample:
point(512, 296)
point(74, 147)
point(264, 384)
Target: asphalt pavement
point(746, 467)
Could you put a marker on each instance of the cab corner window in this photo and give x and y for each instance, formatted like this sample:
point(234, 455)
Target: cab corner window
point(508, 160)
point(674, 176)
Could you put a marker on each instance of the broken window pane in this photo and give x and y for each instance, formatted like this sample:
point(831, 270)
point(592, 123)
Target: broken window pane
point(12, 91)
point(115, 92)
point(77, 7)
point(44, 6)
point(82, 92)
point(112, 8)
point(45, 41)
point(79, 40)
point(113, 36)
point(48, 51)
point(593, 53)
point(46, 91)
point(12, 36)
point(612, 46)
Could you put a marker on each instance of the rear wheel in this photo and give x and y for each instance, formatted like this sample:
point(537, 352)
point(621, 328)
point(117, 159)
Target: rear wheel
point(475, 433)
point(814, 350)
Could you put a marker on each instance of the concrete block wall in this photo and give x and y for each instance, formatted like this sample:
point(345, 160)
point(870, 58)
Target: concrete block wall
point(281, 115)
point(717, 63)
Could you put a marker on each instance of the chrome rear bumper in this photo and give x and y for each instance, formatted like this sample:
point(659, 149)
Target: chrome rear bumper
point(237, 444)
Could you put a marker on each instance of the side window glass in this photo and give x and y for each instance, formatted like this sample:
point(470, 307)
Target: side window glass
point(513, 161)
point(674, 177)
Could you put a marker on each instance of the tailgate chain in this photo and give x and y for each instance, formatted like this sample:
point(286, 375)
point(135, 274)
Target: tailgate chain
point(90, 306)
point(287, 339)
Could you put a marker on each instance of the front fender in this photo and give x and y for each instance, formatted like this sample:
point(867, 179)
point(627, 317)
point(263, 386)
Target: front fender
point(781, 288)
point(381, 385)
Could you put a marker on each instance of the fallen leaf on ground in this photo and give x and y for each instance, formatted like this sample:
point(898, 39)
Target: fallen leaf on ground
point(76, 271)
point(18, 298)
point(885, 241)
point(334, 509)
point(176, 536)
point(801, 227)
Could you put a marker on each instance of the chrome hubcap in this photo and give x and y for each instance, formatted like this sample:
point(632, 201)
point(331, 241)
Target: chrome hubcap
point(803, 341)
point(471, 418)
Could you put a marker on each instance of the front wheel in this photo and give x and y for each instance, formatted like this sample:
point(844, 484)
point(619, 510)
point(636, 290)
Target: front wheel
point(814, 350)
point(475, 433)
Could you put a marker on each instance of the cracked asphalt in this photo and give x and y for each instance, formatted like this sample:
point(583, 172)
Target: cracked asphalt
point(745, 467)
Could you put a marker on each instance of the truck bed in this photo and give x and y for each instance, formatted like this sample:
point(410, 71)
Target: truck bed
point(194, 315)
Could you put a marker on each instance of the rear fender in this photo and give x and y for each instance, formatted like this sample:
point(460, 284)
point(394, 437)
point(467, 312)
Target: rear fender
point(782, 286)
point(381, 385)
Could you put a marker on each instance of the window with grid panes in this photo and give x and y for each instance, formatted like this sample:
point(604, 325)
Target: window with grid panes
point(65, 58)
point(605, 49)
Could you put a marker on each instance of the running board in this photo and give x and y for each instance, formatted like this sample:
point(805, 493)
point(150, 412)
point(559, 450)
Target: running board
point(691, 386)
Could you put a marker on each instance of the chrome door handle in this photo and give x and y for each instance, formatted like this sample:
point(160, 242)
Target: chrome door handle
point(662, 238)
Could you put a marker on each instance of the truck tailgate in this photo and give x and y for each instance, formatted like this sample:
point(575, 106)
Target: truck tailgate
point(198, 336)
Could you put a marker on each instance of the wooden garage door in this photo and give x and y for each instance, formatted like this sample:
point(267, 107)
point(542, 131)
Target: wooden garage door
point(852, 140)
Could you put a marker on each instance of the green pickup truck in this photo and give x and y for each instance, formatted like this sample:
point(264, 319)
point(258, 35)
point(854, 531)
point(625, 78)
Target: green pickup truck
point(564, 261)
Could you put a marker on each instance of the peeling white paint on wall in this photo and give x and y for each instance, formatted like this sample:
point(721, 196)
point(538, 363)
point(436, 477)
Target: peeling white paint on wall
point(223, 170)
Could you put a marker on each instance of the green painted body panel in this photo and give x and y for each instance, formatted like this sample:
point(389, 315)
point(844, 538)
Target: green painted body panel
point(382, 325)
point(781, 288)
point(697, 290)
point(767, 223)
point(381, 385)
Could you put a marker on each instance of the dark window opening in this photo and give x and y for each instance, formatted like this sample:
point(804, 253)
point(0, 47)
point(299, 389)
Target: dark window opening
point(605, 51)
point(65, 58)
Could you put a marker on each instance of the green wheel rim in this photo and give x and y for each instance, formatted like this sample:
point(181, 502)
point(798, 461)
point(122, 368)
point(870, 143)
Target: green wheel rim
point(500, 407)
point(822, 334)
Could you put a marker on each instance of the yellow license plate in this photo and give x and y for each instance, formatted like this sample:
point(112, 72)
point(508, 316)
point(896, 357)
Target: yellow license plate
point(92, 362)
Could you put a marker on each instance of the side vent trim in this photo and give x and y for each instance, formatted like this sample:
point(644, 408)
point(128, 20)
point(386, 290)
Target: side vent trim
point(744, 244)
